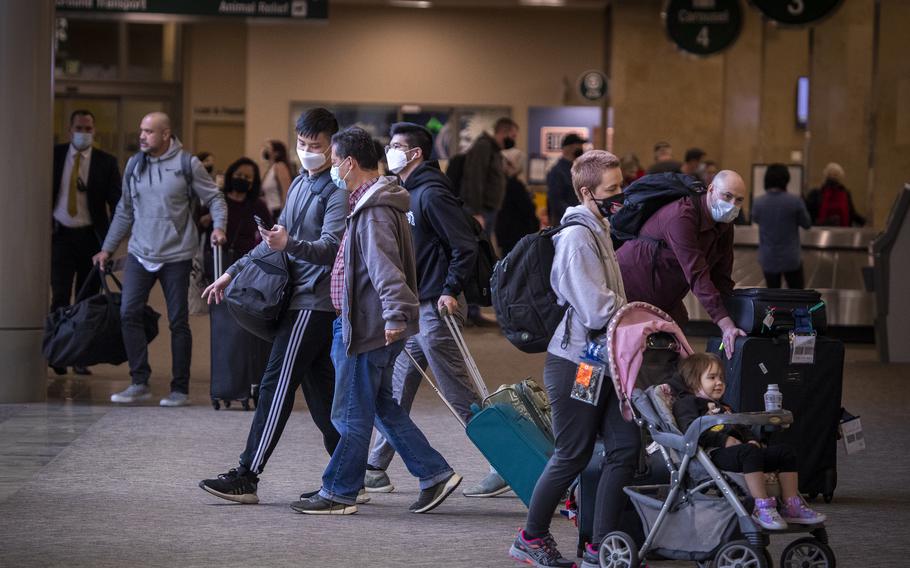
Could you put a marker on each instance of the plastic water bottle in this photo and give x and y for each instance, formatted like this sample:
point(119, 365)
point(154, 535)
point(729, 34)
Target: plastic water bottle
point(774, 400)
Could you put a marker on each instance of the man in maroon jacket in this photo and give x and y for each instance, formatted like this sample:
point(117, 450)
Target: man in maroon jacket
point(688, 245)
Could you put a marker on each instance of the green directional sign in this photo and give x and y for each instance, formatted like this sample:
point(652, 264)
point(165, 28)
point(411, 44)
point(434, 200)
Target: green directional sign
point(297, 9)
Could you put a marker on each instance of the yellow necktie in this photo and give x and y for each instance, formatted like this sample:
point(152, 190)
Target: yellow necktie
point(74, 181)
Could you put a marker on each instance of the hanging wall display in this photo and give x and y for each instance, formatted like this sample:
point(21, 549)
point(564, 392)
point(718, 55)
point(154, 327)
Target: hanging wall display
point(703, 27)
point(796, 12)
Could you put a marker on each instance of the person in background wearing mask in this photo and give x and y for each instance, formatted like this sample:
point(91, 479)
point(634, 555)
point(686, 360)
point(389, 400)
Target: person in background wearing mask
point(445, 250)
point(694, 241)
point(710, 171)
point(779, 216)
point(831, 204)
point(208, 162)
point(663, 159)
point(155, 209)
point(483, 186)
point(694, 163)
point(518, 216)
point(85, 193)
point(560, 194)
point(277, 177)
point(309, 230)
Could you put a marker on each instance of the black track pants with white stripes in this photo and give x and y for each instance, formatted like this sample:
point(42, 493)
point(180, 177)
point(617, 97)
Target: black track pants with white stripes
point(301, 355)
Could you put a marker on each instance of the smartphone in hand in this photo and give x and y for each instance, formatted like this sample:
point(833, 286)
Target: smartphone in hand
point(260, 223)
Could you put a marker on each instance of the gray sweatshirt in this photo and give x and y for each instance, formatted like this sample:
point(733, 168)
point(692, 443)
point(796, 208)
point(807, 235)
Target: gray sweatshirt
point(155, 205)
point(380, 273)
point(312, 241)
point(585, 276)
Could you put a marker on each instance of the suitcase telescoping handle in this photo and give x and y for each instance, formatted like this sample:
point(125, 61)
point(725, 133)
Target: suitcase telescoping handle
point(427, 379)
point(218, 260)
point(465, 353)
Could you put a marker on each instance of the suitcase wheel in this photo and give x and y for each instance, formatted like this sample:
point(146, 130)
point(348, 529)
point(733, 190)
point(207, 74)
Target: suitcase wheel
point(245, 404)
point(216, 405)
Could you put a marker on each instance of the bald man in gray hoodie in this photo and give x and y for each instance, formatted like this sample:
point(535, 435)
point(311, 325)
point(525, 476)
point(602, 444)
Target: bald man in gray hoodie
point(159, 186)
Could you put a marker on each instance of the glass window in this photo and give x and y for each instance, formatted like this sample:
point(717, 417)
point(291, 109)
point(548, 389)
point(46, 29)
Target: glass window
point(86, 49)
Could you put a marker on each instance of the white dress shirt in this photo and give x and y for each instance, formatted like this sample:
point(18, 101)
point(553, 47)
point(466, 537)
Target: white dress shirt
point(61, 212)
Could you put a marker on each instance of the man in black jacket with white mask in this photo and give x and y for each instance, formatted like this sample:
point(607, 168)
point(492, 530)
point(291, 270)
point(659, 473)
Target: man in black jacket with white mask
point(445, 250)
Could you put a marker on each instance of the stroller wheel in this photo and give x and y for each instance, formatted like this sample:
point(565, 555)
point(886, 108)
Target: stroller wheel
point(807, 552)
point(740, 554)
point(618, 550)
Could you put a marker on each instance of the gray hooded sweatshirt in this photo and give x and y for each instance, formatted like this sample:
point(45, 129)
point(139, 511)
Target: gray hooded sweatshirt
point(380, 273)
point(585, 276)
point(312, 241)
point(156, 205)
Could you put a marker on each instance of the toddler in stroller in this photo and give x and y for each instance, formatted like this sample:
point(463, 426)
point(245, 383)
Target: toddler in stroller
point(700, 387)
point(702, 514)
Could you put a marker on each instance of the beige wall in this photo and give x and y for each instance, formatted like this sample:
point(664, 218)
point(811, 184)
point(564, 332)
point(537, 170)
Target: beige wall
point(516, 58)
point(214, 76)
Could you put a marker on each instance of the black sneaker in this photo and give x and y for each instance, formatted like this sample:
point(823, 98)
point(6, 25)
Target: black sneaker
point(233, 486)
point(539, 552)
point(431, 497)
point(319, 505)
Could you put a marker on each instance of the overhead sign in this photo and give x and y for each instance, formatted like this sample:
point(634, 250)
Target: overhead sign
point(704, 27)
point(592, 85)
point(796, 12)
point(302, 9)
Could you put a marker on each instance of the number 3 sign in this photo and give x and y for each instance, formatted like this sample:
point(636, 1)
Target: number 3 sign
point(796, 12)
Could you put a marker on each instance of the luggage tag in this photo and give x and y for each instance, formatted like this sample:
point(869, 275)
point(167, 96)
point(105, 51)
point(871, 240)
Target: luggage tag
point(802, 348)
point(768, 322)
point(589, 379)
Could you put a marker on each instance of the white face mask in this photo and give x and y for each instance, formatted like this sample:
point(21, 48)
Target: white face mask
point(723, 211)
point(310, 160)
point(82, 140)
point(397, 159)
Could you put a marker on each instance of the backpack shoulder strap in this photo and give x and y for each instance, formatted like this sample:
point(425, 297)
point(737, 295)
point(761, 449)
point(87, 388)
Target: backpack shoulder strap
point(186, 166)
point(130, 169)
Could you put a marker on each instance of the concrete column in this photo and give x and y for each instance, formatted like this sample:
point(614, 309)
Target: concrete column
point(26, 136)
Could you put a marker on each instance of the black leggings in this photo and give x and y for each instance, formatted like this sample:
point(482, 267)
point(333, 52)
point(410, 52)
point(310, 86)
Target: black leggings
point(747, 458)
point(576, 425)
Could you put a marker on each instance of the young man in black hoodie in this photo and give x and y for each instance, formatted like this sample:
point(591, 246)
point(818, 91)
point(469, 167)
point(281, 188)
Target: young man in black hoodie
point(445, 249)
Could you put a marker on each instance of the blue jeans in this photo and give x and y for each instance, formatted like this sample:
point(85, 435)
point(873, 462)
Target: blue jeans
point(363, 395)
point(137, 283)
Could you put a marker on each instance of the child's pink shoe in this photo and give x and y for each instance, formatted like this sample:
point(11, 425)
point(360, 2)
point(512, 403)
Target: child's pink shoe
point(796, 511)
point(767, 516)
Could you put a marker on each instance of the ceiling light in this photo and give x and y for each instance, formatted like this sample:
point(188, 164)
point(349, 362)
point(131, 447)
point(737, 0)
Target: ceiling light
point(411, 3)
point(552, 3)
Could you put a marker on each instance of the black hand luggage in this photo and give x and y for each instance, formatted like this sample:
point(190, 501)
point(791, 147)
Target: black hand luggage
point(239, 358)
point(765, 311)
point(812, 392)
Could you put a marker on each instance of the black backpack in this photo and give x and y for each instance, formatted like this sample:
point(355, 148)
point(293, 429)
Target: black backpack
point(477, 287)
point(648, 194)
point(526, 305)
point(455, 172)
point(259, 295)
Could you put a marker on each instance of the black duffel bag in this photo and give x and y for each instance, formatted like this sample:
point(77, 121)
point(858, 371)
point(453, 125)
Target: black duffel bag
point(258, 296)
point(770, 311)
point(88, 332)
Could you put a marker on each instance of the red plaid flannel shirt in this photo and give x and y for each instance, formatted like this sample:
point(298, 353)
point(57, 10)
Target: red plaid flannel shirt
point(337, 282)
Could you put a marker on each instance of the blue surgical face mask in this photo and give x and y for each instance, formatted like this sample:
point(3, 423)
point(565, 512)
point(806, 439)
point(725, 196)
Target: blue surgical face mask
point(723, 211)
point(337, 179)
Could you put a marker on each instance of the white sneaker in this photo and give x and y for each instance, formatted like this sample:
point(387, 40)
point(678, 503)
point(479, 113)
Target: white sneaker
point(132, 393)
point(175, 399)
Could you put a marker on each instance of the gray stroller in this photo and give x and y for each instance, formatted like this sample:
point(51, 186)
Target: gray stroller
point(702, 514)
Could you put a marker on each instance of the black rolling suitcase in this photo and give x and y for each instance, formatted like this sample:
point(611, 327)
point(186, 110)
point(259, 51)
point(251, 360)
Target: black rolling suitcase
point(812, 392)
point(764, 311)
point(238, 357)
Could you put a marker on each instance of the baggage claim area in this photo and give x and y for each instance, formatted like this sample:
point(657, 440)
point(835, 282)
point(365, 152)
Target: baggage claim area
point(739, 169)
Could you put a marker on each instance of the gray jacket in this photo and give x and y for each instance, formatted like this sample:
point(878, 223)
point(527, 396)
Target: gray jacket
point(585, 276)
point(312, 242)
point(155, 205)
point(380, 273)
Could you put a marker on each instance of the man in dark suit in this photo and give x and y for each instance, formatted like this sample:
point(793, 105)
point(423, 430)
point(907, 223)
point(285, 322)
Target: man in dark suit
point(85, 193)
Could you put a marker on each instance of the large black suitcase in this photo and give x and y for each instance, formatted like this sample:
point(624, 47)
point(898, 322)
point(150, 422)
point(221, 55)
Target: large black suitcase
point(752, 308)
point(238, 357)
point(812, 392)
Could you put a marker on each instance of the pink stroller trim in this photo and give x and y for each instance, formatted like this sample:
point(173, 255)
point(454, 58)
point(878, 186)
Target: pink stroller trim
point(627, 335)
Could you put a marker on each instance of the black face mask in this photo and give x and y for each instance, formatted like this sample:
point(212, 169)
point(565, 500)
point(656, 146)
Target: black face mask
point(508, 143)
point(578, 152)
point(240, 185)
point(609, 206)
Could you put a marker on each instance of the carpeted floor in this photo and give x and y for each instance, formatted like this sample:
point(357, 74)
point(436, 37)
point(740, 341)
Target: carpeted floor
point(123, 493)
